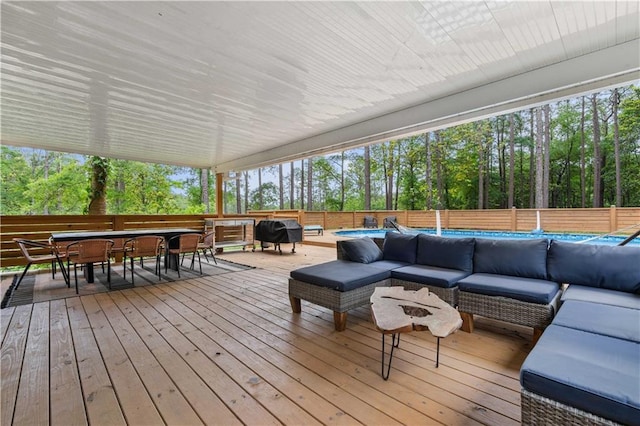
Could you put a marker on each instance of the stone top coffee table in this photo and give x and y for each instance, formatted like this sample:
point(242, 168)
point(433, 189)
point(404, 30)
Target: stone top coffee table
point(395, 310)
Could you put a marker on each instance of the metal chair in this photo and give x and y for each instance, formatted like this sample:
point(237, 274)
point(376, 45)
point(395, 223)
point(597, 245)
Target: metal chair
point(143, 246)
point(28, 247)
point(88, 252)
point(208, 243)
point(183, 244)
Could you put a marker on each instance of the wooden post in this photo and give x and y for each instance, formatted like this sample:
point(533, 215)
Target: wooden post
point(514, 219)
point(219, 195)
point(613, 219)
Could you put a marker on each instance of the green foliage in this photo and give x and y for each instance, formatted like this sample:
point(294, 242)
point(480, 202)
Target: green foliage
point(39, 182)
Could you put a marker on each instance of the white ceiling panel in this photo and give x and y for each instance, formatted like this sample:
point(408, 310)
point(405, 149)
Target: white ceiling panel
point(236, 85)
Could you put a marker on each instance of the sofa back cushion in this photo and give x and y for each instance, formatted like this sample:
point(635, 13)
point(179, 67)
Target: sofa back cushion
point(361, 250)
point(400, 247)
point(517, 258)
point(449, 253)
point(595, 265)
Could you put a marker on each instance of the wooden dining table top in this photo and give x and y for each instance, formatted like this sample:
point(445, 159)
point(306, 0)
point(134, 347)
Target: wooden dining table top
point(131, 233)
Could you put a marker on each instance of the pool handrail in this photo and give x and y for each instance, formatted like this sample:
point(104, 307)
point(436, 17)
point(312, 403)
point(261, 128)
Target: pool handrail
point(630, 237)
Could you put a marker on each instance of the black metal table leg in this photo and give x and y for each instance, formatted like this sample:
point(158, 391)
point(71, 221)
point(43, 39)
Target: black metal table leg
point(395, 342)
point(438, 353)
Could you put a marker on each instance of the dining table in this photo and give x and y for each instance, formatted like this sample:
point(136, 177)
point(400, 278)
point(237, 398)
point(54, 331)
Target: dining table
point(166, 233)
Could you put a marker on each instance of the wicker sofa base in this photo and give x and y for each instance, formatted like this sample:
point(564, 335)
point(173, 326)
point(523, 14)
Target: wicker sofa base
point(449, 295)
point(539, 410)
point(338, 301)
point(514, 311)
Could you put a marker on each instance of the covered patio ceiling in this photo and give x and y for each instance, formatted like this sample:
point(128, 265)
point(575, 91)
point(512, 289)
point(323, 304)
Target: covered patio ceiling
point(236, 85)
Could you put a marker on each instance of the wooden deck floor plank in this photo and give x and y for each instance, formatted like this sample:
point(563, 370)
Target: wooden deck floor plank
point(136, 404)
point(199, 328)
point(67, 404)
point(356, 380)
point(5, 320)
point(203, 400)
point(101, 403)
point(270, 409)
point(32, 404)
point(169, 401)
point(311, 315)
point(169, 324)
point(449, 346)
point(297, 375)
point(371, 362)
point(11, 359)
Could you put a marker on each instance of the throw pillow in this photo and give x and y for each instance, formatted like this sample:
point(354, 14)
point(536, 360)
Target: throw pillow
point(361, 250)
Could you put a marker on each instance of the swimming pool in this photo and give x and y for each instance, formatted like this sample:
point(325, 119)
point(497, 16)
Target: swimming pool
point(610, 240)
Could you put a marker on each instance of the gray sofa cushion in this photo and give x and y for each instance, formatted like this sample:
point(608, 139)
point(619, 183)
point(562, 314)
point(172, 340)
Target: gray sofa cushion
point(594, 373)
point(519, 258)
point(530, 290)
point(400, 247)
point(361, 250)
point(607, 320)
point(449, 253)
point(595, 265)
point(389, 264)
point(430, 275)
point(341, 275)
point(601, 295)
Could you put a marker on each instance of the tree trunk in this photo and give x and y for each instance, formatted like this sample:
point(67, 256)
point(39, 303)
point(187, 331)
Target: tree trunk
point(342, 185)
point(597, 200)
point(583, 166)
point(45, 209)
point(310, 184)
point(532, 166)
point(246, 191)
point(98, 196)
point(260, 199)
point(428, 172)
point(546, 156)
point(539, 192)
point(292, 187)
point(439, 172)
point(281, 186)
point(204, 189)
point(301, 184)
point(238, 194)
point(616, 147)
point(367, 178)
point(512, 141)
point(481, 160)
point(389, 177)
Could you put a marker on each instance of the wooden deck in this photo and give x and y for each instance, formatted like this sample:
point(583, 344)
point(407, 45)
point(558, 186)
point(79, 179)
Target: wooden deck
point(227, 349)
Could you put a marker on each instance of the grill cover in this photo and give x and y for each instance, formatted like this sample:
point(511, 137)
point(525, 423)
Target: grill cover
point(279, 231)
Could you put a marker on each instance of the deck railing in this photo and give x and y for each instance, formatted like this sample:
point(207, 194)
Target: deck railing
point(598, 221)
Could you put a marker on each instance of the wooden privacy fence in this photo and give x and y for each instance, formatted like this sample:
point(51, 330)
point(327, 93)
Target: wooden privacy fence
point(598, 221)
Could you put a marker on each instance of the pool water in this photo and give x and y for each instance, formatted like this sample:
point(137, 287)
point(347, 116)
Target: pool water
point(584, 238)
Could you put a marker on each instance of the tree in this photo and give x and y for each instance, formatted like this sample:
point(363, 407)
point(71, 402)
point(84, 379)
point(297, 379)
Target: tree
point(512, 146)
point(597, 155)
point(367, 178)
point(98, 193)
point(616, 143)
point(539, 178)
point(204, 185)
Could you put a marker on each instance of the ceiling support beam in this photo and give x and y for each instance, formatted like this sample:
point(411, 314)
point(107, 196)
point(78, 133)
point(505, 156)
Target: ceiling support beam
point(606, 68)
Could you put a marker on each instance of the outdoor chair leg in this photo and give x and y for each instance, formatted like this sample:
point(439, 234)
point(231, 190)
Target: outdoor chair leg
point(22, 276)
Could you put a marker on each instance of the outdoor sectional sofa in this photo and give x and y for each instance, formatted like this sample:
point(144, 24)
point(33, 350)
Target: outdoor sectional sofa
point(585, 368)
